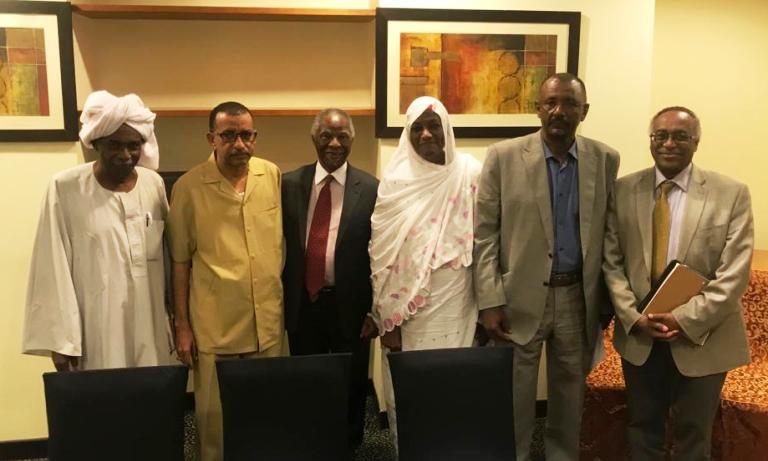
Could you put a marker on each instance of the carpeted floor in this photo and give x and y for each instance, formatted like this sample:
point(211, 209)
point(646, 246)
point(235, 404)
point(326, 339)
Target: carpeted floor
point(377, 444)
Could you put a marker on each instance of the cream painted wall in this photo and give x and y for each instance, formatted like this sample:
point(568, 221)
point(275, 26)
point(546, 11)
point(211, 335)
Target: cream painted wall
point(285, 141)
point(625, 86)
point(248, 3)
point(25, 169)
point(712, 58)
point(616, 45)
point(171, 75)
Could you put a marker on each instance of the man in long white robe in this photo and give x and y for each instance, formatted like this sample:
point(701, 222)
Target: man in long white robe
point(96, 287)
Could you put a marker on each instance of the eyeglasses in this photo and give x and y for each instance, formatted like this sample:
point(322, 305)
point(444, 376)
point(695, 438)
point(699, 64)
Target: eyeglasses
point(661, 136)
point(566, 105)
point(231, 136)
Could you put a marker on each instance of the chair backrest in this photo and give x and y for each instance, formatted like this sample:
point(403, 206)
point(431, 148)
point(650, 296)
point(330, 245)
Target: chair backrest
point(454, 404)
point(116, 414)
point(286, 408)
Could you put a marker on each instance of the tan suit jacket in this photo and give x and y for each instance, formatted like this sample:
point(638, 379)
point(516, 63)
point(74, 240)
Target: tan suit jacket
point(514, 235)
point(716, 239)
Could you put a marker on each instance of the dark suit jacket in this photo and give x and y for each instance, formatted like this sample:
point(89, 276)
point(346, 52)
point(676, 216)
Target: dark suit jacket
point(352, 264)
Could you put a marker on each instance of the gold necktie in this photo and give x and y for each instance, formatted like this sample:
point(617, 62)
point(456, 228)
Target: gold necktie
point(662, 218)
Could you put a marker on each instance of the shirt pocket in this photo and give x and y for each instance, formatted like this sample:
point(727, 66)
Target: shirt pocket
point(154, 240)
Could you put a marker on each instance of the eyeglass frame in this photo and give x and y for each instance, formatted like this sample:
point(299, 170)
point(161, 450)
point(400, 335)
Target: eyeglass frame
point(675, 136)
point(231, 136)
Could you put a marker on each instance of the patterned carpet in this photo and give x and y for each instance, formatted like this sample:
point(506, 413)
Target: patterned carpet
point(377, 445)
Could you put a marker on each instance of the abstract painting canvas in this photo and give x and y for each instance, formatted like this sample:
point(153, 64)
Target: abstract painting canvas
point(476, 73)
point(37, 81)
point(23, 81)
point(485, 66)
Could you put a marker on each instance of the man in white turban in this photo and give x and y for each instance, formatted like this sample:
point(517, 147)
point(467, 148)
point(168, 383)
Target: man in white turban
point(96, 286)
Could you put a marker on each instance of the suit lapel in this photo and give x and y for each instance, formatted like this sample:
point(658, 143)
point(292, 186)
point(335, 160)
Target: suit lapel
point(536, 169)
point(351, 195)
point(307, 176)
point(644, 200)
point(695, 199)
point(587, 167)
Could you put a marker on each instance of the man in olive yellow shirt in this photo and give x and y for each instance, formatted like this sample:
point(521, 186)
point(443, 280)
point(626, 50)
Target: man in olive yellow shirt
point(226, 238)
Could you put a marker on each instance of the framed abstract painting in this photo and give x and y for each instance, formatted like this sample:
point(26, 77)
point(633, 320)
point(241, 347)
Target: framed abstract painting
point(486, 66)
point(37, 75)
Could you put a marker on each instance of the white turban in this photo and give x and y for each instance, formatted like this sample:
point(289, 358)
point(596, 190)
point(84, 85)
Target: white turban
point(104, 113)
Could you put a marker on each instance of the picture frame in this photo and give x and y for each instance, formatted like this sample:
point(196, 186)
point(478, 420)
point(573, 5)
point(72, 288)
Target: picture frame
point(37, 74)
point(486, 66)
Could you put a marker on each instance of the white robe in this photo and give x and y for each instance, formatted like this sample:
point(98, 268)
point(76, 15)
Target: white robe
point(97, 281)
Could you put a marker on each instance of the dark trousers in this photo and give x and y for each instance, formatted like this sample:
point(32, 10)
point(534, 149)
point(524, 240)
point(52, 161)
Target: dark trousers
point(319, 331)
point(655, 391)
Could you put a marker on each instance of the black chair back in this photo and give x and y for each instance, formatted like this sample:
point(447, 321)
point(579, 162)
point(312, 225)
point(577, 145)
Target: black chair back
point(454, 404)
point(116, 414)
point(286, 408)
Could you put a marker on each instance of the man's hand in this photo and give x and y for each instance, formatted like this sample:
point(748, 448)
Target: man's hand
point(64, 362)
point(651, 326)
point(369, 329)
point(392, 340)
point(186, 350)
point(669, 321)
point(495, 323)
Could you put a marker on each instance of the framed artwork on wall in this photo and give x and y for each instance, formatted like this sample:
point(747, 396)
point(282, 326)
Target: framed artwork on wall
point(486, 66)
point(37, 74)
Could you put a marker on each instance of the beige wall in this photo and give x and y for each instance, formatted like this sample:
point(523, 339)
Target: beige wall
point(25, 169)
point(630, 69)
point(616, 45)
point(174, 64)
point(711, 57)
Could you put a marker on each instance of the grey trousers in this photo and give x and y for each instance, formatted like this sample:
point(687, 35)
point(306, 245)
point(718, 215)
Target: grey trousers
point(568, 359)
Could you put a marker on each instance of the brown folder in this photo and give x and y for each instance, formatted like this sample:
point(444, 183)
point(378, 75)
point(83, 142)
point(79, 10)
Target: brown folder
point(677, 284)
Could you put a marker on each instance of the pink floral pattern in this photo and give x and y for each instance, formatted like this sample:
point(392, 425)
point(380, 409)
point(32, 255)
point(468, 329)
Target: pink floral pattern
point(413, 299)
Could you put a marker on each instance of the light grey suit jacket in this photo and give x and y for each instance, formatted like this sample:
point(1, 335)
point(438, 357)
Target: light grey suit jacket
point(514, 235)
point(715, 239)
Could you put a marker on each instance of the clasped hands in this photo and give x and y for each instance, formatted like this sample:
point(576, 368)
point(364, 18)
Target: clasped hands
point(663, 327)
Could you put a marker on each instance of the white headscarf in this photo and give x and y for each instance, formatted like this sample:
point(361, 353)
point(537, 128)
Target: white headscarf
point(104, 113)
point(423, 220)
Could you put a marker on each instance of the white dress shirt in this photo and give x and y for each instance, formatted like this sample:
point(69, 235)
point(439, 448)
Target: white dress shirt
point(676, 199)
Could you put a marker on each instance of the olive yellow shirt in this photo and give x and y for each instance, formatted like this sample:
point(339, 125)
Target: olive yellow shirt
point(235, 245)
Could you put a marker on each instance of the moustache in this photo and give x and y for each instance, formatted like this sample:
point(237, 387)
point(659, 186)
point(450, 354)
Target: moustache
point(559, 119)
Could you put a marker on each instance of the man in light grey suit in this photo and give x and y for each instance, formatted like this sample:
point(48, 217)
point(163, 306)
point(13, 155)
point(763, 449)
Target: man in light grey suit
point(538, 254)
point(678, 360)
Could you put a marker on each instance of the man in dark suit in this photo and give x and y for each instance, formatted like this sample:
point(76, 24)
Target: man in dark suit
point(327, 210)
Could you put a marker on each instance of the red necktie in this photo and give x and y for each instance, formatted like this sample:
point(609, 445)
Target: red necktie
point(314, 259)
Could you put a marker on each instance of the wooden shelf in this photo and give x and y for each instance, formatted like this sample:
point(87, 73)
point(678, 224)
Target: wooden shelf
point(272, 112)
point(98, 11)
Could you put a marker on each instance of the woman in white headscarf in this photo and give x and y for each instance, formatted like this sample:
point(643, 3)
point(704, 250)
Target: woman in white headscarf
point(421, 243)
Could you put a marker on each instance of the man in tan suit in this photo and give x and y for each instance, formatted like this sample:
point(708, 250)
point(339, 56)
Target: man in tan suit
point(678, 360)
point(538, 253)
